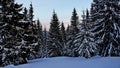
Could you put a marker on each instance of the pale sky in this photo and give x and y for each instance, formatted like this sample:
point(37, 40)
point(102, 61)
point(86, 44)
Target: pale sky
point(43, 9)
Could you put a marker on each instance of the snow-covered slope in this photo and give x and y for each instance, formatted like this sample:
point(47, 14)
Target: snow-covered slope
point(68, 62)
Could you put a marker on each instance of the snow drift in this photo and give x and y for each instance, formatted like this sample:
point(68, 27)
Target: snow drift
point(69, 62)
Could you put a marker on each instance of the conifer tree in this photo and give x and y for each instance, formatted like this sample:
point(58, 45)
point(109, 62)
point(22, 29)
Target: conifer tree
point(25, 18)
point(11, 32)
point(30, 34)
point(31, 13)
point(54, 37)
point(1, 47)
point(84, 43)
point(73, 30)
point(40, 46)
point(63, 34)
point(106, 26)
point(25, 21)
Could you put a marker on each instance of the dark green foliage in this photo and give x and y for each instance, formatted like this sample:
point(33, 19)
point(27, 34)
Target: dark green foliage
point(18, 35)
point(22, 38)
point(106, 26)
point(31, 13)
point(54, 37)
point(84, 43)
point(73, 30)
point(63, 34)
point(10, 36)
point(74, 22)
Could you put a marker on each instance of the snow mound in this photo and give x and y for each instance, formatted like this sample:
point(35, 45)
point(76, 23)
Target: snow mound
point(69, 62)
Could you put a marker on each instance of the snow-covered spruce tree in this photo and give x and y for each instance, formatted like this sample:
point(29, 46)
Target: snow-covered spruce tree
point(54, 38)
point(25, 17)
point(67, 34)
point(63, 34)
point(2, 33)
point(30, 34)
point(31, 13)
point(106, 18)
point(40, 48)
point(84, 43)
point(11, 36)
point(1, 24)
point(73, 30)
point(25, 14)
point(24, 23)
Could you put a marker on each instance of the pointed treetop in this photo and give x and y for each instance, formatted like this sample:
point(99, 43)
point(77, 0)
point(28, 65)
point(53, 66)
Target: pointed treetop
point(25, 9)
point(38, 23)
point(38, 20)
point(54, 13)
point(83, 16)
point(87, 13)
point(54, 17)
point(62, 22)
point(74, 18)
point(62, 25)
point(74, 12)
point(31, 13)
point(31, 6)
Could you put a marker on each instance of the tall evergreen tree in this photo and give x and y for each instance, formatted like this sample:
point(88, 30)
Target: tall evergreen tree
point(106, 26)
point(63, 34)
point(0, 32)
point(31, 13)
point(73, 30)
point(74, 22)
point(11, 32)
point(25, 21)
point(84, 43)
point(25, 14)
point(54, 37)
point(11, 12)
point(40, 47)
point(31, 34)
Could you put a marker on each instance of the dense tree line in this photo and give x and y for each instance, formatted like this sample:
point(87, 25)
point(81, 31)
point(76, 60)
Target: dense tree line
point(22, 38)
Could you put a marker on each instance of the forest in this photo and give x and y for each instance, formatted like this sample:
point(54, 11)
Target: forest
point(22, 38)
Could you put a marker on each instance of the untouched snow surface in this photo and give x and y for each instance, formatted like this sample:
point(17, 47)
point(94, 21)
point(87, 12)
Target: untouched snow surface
point(69, 62)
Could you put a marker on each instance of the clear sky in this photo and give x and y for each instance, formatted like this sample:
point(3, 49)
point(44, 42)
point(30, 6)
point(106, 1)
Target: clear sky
point(43, 9)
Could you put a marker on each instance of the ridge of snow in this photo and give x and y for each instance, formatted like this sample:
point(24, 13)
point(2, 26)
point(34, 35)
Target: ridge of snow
point(71, 62)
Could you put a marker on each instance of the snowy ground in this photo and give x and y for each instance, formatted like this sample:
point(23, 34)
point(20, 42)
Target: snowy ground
point(68, 62)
